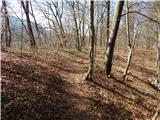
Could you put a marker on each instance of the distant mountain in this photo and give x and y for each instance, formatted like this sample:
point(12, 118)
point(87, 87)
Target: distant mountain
point(16, 29)
point(16, 23)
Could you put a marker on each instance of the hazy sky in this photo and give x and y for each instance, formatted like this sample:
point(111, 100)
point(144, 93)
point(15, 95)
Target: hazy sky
point(15, 5)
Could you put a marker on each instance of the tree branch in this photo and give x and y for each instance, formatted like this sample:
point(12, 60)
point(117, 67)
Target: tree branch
point(142, 15)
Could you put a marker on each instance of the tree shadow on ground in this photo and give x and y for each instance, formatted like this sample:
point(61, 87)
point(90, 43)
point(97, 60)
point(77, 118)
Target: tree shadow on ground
point(32, 92)
point(27, 95)
point(119, 92)
point(134, 90)
point(111, 111)
point(147, 82)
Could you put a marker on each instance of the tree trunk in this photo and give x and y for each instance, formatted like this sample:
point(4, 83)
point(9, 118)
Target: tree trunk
point(158, 61)
point(36, 25)
point(97, 22)
point(101, 33)
point(2, 37)
point(108, 18)
point(77, 30)
point(128, 63)
point(83, 32)
point(83, 25)
point(7, 30)
point(158, 70)
point(30, 32)
point(101, 26)
point(112, 38)
point(156, 82)
point(130, 47)
point(91, 53)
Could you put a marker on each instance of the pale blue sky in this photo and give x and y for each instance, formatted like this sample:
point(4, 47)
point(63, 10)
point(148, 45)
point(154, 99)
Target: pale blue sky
point(15, 5)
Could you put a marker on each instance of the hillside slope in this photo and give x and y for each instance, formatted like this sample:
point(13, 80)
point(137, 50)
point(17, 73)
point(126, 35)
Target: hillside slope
point(49, 85)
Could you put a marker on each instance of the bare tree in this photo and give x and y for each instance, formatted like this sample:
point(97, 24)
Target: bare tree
point(21, 48)
point(131, 44)
point(108, 19)
point(53, 12)
point(112, 38)
point(83, 23)
point(158, 48)
point(98, 3)
point(91, 53)
point(30, 32)
point(73, 6)
point(156, 83)
point(36, 24)
point(6, 27)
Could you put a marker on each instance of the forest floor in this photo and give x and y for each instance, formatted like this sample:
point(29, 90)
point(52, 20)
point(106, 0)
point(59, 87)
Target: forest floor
point(47, 85)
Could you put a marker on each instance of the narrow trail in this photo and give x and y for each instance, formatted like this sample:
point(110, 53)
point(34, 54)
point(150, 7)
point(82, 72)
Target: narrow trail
point(70, 72)
point(58, 80)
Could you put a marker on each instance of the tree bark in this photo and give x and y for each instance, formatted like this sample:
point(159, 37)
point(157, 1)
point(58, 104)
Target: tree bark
point(30, 32)
point(83, 24)
point(77, 30)
point(36, 24)
point(91, 53)
point(158, 70)
point(156, 83)
point(112, 38)
point(108, 19)
point(158, 61)
point(7, 30)
point(130, 47)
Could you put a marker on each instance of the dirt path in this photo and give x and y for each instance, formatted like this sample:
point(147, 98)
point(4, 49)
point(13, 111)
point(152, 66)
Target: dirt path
point(55, 89)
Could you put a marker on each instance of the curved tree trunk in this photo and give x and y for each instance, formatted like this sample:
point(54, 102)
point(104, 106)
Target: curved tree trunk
point(112, 38)
point(129, 42)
